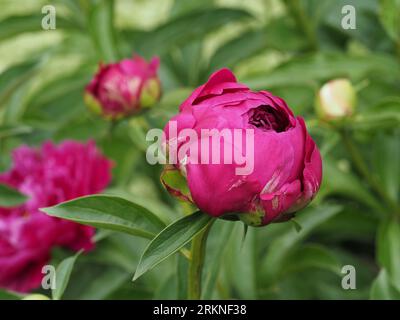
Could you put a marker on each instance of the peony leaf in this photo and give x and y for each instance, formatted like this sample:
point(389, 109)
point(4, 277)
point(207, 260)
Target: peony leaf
point(384, 115)
point(109, 212)
point(311, 256)
point(283, 245)
point(14, 77)
point(9, 295)
point(390, 19)
point(14, 130)
point(337, 181)
point(170, 240)
point(309, 69)
point(388, 248)
point(102, 30)
point(63, 273)
point(382, 289)
point(238, 49)
point(216, 256)
point(186, 28)
point(10, 197)
point(16, 25)
point(246, 284)
point(386, 161)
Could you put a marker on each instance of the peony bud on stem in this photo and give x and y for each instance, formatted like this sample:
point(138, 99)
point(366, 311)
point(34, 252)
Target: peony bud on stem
point(122, 89)
point(336, 100)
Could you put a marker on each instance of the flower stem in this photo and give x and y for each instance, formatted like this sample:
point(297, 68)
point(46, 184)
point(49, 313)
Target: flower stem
point(364, 171)
point(111, 128)
point(198, 252)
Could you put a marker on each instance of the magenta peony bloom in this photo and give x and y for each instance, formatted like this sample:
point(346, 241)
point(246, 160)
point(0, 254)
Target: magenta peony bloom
point(121, 89)
point(25, 246)
point(287, 167)
point(48, 176)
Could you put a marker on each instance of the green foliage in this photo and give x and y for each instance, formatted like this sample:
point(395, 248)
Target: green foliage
point(109, 212)
point(63, 273)
point(170, 240)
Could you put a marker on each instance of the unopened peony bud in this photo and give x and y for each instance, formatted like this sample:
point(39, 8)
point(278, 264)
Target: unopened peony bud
point(287, 166)
point(336, 100)
point(122, 89)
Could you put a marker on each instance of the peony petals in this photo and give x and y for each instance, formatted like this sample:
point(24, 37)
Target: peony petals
point(287, 168)
point(49, 175)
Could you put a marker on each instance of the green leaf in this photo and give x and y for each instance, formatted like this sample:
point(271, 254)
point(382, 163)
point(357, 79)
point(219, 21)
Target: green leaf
point(94, 281)
point(61, 100)
point(167, 290)
point(385, 114)
point(182, 276)
point(345, 183)
point(14, 77)
point(242, 260)
point(311, 256)
point(63, 273)
point(8, 295)
point(388, 248)
point(13, 130)
point(170, 240)
point(214, 259)
point(283, 28)
point(369, 31)
point(10, 197)
point(102, 30)
point(386, 162)
point(15, 25)
point(109, 212)
point(187, 28)
point(382, 289)
point(390, 17)
point(181, 7)
point(238, 49)
point(279, 249)
point(311, 69)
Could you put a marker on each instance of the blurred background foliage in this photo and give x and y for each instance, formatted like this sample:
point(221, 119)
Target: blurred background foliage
point(288, 47)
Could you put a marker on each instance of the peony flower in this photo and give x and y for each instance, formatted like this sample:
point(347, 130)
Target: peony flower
point(122, 89)
point(48, 176)
point(287, 168)
point(25, 246)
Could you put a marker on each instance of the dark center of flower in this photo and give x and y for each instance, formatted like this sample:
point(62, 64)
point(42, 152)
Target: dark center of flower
point(268, 118)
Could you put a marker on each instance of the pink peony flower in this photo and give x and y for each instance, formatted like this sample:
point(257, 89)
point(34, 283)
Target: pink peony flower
point(25, 246)
point(48, 176)
point(287, 167)
point(121, 89)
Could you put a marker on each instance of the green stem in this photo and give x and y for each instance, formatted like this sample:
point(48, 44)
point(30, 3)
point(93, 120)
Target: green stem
point(112, 127)
point(364, 171)
point(198, 252)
